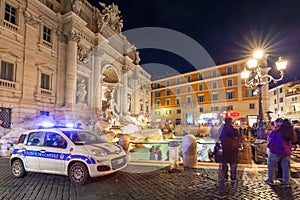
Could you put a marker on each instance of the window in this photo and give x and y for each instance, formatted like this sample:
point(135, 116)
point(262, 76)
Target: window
point(189, 99)
point(214, 85)
point(200, 76)
point(280, 99)
point(229, 82)
point(157, 94)
point(167, 83)
point(275, 102)
point(177, 80)
point(45, 81)
point(177, 101)
point(45, 113)
point(229, 70)
point(188, 89)
point(201, 109)
point(178, 111)
point(10, 14)
point(168, 93)
point(167, 102)
point(47, 34)
point(158, 103)
point(158, 85)
point(274, 92)
point(215, 97)
point(280, 90)
point(177, 91)
point(36, 138)
point(169, 112)
point(215, 108)
point(275, 110)
point(250, 92)
point(7, 71)
point(200, 87)
point(189, 79)
point(201, 98)
point(251, 106)
point(214, 73)
point(55, 140)
point(229, 107)
point(5, 117)
point(230, 95)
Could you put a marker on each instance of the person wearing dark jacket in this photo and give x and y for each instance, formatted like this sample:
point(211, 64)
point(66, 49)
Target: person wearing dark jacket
point(230, 139)
point(280, 143)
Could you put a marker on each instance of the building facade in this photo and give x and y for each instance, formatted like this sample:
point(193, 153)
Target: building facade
point(205, 96)
point(67, 59)
point(285, 100)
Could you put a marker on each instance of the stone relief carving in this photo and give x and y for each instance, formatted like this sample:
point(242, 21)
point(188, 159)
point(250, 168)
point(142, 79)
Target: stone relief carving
point(111, 15)
point(137, 58)
point(100, 25)
point(76, 7)
point(130, 50)
point(82, 54)
point(98, 51)
point(81, 92)
point(29, 19)
point(61, 37)
point(72, 36)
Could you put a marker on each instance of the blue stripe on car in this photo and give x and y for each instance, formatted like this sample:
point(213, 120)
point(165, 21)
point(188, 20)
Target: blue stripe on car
point(54, 155)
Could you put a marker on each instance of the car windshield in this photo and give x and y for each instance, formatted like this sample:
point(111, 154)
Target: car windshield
point(82, 137)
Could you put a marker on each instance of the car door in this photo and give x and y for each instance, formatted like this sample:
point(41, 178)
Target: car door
point(32, 150)
point(54, 156)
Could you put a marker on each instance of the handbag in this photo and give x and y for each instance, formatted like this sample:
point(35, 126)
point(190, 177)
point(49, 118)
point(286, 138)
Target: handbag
point(218, 152)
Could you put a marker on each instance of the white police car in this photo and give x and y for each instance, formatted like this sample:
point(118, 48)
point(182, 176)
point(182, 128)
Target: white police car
point(75, 153)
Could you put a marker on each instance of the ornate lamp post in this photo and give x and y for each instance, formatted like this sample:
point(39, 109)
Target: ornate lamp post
point(255, 79)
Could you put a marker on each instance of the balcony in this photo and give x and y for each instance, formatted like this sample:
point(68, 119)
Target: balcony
point(10, 26)
point(9, 85)
point(293, 92)
point(45, 95)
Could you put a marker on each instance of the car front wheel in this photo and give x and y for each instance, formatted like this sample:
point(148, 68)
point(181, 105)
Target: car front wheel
point(78, 173)
point(18, 169)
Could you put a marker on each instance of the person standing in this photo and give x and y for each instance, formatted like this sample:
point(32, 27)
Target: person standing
point(152, 153)
point(159, 153)
point(230, 139)
point(280, 143)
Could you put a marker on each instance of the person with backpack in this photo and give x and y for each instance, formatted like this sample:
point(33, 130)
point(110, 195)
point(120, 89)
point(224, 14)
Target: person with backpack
point(279, 144)
point(230, 141)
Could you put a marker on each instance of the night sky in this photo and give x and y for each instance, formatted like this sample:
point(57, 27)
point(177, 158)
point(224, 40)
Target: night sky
point(228, 30)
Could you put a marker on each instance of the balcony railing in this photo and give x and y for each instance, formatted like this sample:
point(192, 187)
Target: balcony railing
point(46, 92)
point(9, 84)
point(10, 26)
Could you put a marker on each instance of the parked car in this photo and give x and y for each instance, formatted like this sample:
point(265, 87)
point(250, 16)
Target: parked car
point(71, 152)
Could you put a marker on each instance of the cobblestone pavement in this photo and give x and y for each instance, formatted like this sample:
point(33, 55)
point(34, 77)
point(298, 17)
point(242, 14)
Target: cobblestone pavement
point(138, 181)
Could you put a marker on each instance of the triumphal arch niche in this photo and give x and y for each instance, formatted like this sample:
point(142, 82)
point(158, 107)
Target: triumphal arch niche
point(102, 64)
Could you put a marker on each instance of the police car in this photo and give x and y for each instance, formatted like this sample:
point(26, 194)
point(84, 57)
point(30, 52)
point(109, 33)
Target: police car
point(75, 153)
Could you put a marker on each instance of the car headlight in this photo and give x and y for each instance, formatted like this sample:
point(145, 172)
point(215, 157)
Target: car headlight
point(99, 152)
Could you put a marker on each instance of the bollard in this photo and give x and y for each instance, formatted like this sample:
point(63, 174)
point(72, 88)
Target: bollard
point(189, 150)
point(174, 157)
point(124, 142)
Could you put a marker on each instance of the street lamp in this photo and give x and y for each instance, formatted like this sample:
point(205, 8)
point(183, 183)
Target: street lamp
point(257, 80)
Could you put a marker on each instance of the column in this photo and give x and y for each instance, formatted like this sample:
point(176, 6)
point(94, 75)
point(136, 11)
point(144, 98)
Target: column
point(124, 92)
point(71, 65)
point(97, 101)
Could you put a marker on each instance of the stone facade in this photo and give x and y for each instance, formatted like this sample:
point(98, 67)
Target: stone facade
point(67, 59)
point(285, 101)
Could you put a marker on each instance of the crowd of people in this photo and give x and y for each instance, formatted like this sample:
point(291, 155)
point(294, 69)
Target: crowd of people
point(279, 144)
point(155, 151)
